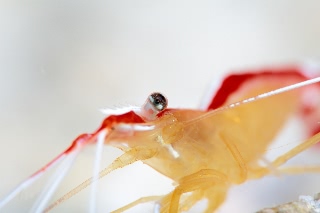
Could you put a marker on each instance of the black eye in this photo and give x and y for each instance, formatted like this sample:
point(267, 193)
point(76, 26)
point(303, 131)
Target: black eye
point(158, 101)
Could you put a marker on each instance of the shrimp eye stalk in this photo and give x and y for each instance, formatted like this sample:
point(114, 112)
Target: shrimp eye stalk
point(155, 103)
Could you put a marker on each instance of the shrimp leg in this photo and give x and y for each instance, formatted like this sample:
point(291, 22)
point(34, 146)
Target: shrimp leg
point(129, 157)
point(202, 180)
point(137, 202)
point(215, 195)
point(185, 205)
point(191, 200)
point(298, 149)
point(257, 173)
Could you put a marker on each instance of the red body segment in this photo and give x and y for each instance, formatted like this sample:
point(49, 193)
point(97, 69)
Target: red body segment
point(233, 82)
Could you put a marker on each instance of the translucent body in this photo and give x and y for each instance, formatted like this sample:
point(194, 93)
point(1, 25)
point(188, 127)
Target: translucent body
point(202, 151)
point(227, 144)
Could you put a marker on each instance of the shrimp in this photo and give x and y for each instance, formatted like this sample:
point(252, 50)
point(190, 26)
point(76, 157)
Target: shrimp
point(203, 151)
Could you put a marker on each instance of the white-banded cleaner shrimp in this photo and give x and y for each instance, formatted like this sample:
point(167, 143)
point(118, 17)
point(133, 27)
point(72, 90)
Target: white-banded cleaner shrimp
point(202, 151)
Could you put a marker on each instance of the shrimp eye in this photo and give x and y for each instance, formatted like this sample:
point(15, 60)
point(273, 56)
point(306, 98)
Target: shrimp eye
point(158, 101)
point(155, 103)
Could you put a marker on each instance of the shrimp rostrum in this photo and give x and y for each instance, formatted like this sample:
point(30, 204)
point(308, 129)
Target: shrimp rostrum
point(203, 151)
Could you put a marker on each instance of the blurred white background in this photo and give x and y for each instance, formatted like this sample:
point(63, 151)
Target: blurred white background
point(61, 61)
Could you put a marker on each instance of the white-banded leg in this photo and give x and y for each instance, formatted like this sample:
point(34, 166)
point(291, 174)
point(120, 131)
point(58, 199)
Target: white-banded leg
point(96, 168)
point(54, 182)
